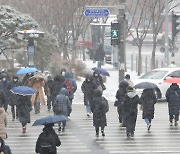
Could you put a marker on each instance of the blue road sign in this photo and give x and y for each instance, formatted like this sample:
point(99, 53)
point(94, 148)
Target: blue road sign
point(96, 12)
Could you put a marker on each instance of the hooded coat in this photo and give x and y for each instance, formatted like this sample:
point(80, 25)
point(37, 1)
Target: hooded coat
point(131, 110)
point(5, 148)
point(173, 99)
point(99, 110)
point(64, 102)
point(148, 99)
point(87, 88)
point(53, 140)
point(69, 76)
point(24, 107)
point(3, 123)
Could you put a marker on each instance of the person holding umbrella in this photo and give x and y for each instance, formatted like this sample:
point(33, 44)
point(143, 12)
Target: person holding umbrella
point(13, 98)
point(148, 100)
point(24, 104)
point(24, 107)
point(47, 140)
point(173, 99)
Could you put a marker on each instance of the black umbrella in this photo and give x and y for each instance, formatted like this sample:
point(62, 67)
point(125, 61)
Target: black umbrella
point(145, 85)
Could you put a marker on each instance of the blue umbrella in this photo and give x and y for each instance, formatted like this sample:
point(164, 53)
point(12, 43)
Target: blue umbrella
point(50, 119)
point(100, 71)
point(26, 70)
point(23, 90)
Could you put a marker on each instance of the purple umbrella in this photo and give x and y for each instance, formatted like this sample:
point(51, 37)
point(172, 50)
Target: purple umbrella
point(101, 71)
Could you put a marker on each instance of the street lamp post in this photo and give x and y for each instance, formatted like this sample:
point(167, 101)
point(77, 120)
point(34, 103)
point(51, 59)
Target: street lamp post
point(31, 35)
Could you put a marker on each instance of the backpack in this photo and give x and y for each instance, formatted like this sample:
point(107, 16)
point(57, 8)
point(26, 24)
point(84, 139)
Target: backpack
point(69, 86)
point(105, 104)
point(46, 145)
point(57, 107)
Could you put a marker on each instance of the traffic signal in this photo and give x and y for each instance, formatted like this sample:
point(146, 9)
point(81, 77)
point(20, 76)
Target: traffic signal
point(175, 24)
point(114, 33)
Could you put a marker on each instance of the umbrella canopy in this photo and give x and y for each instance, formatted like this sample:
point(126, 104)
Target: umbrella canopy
point(145, 85)
point(100, 71)
point(172, 80)
point(50, 119)
point(37, 76)
point(23, 90)
point(26, 70)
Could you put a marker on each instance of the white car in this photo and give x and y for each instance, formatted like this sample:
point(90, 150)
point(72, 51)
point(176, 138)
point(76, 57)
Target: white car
point(132, 37)
point(157, 76)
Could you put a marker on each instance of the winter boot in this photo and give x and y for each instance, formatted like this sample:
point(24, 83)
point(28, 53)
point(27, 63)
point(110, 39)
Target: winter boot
point(128, 136)
point(24, 129)
point(59, 129)
point(97, 134)
point(132, 134)
point(103, 134)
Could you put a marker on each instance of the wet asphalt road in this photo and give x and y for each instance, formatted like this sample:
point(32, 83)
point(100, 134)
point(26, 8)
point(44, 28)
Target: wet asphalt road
point(80, 138)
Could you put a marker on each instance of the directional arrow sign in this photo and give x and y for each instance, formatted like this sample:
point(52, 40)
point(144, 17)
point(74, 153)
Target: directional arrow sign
point(96, 12)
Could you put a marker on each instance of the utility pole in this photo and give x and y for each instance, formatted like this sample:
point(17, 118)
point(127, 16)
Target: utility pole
point(121, 46)
point(166, 54)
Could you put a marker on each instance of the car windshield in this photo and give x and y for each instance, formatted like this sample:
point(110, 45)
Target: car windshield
point(154, 75)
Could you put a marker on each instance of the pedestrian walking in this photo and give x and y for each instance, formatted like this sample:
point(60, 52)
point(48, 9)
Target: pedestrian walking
point(148, 100)
point(47, 141)
point(130, 111)
point(99, 55)
point(87, 88)
point(37, 103)
point(5, 86)
point(70, 85)
point(4, 149)
point(120, 96)
point(128, 79)
point(98, 82)
point(62, 106)
point(173, 99)
point(3, 123)
point(48, 91)
point(3, 102)
point(24, 107)
point(13, 98)
point(99, 109)
point(58, 83)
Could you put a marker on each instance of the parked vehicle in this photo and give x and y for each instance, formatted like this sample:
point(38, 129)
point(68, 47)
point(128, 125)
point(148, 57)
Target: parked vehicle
point(157, 76)
point(132, 37)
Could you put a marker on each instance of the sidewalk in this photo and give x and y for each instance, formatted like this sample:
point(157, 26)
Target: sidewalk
point(111, 83)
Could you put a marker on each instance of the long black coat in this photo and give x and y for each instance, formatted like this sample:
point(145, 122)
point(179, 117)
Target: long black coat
point(53, 140)
point(173, 99)
point(13, 97)
point(87, 88)
point(99, 110)
point(148, 99)
point(130, 110)
point(24, 108)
